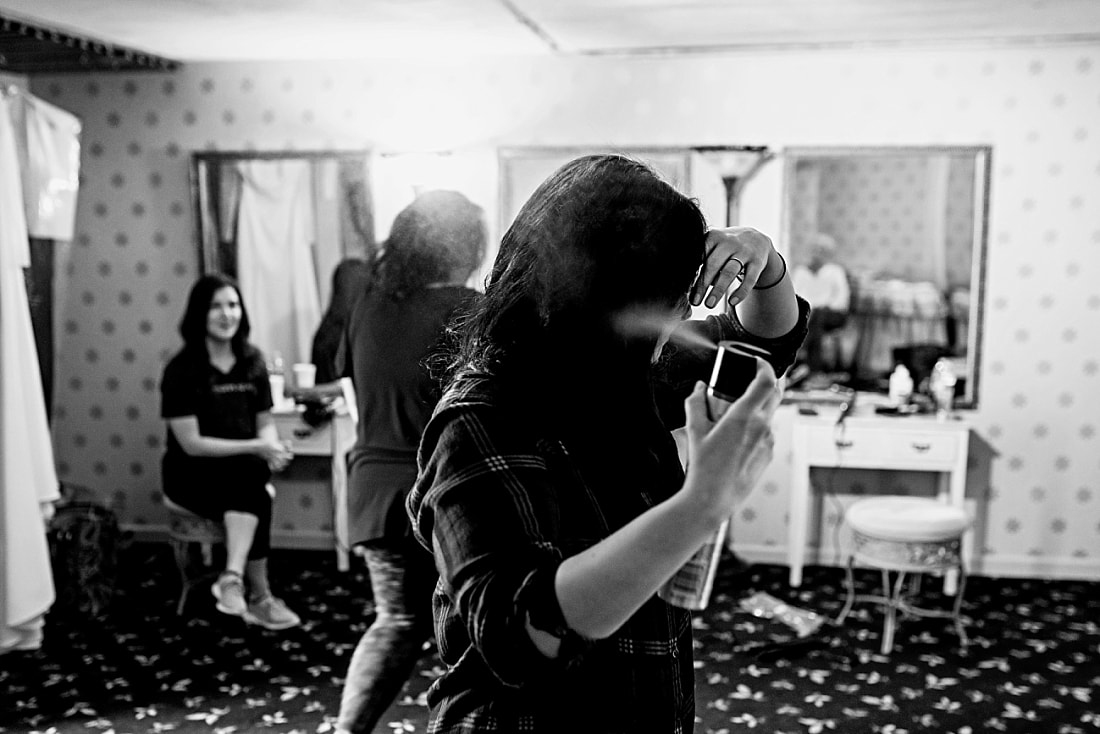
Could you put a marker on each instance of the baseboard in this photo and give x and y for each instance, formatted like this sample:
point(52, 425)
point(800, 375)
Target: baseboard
point(995, 566)
point(296, 539)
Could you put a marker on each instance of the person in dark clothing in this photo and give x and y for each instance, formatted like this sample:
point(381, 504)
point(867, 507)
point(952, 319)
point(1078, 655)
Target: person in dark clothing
point(550, 489)
point(417, 288)
point(349, 280)
point(222, 445)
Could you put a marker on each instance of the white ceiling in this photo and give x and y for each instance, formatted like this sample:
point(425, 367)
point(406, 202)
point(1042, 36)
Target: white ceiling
point(207, 30)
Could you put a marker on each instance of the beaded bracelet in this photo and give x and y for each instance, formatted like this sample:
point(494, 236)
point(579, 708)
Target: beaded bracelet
point(777, 280)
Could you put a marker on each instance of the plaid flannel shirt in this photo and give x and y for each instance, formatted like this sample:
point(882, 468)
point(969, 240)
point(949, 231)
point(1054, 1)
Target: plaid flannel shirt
point(502, 506)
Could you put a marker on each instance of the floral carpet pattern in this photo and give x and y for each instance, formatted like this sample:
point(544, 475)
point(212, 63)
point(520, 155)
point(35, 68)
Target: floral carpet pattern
point(1032, 665)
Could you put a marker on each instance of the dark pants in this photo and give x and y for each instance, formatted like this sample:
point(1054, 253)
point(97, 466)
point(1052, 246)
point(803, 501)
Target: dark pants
point(822, 321)
point(402, 577)
point(211, 487)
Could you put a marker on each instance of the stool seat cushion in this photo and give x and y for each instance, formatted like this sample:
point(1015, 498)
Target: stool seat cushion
point(906, 519)
point(173, 507)
point(185, 524)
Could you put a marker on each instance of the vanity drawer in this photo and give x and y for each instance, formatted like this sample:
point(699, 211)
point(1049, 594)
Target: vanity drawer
point(830, 446)
point(916, 447)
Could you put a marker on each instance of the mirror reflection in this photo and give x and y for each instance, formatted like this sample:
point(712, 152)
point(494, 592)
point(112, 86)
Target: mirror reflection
point(889, 242)
point(296, 229)
point(895, 237)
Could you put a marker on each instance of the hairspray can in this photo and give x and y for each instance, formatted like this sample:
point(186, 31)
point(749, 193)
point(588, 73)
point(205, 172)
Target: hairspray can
point(734, 368)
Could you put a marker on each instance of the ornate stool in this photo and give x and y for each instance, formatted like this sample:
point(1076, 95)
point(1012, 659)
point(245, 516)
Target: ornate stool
point(907, 535)
point(186, 528)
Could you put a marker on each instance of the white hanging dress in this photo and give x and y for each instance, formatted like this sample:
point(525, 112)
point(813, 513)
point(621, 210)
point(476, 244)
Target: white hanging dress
point(28, 480)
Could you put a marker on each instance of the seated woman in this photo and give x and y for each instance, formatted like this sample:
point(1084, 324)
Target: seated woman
point(222, 445)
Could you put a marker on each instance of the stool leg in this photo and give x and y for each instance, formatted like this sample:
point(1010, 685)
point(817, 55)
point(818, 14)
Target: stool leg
point(957, 607)
point(849, 581)
point(179, 550)
point(891, 608)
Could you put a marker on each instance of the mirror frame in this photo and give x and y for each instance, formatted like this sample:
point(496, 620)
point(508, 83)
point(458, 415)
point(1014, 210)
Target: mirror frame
point(983, 155)
point(507, 156)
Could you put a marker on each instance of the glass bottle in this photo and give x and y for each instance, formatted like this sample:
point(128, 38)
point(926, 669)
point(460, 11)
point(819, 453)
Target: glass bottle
point(276, 375)
point(942, 385)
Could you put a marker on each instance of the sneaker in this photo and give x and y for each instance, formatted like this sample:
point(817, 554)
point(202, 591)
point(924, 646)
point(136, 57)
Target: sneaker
point(272, 613)
point(229, 591)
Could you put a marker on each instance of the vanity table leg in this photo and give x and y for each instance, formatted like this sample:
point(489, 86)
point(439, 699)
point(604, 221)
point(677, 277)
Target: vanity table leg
point(340, 499)
point(952, 486)
point(799, 504)
point(952, 489)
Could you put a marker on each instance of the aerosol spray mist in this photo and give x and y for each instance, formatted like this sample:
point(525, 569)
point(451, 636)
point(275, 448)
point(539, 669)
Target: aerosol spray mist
point(734, 368)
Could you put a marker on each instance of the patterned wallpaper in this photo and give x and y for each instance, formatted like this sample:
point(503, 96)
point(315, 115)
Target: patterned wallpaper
point(1037, 493)
point(877, 210)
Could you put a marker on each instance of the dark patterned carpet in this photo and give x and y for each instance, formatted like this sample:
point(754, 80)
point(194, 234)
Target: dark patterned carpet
point(1033, 664)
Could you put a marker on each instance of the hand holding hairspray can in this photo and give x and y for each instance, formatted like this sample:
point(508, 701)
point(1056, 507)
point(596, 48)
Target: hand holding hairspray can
point(734, 368)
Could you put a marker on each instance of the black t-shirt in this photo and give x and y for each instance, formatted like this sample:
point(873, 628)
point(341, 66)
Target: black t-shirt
point(388, 344)
point(225, 403)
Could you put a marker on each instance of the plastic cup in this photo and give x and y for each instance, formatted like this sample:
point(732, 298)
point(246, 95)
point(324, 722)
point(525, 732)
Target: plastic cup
point(278, 389)
point(305, 374)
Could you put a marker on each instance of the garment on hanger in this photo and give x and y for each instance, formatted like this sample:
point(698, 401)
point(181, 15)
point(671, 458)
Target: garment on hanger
point(48, 148)
point(28, 480)
point(275, 234)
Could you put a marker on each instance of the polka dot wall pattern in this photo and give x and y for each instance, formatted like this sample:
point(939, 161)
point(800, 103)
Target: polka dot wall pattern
point(129, 268)
point(878, 210)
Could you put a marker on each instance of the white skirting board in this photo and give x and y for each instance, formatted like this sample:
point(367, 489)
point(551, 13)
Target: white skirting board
point(1014, 566)
point(310, 540)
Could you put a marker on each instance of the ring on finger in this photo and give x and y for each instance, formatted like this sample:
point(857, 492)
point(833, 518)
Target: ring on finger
point(739, 262)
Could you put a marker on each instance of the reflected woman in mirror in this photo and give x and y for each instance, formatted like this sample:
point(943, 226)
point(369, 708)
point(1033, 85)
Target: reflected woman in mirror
point(823, 282)
point(415, 290)
point(349, 280)
point(222, 446)
point(551, 491)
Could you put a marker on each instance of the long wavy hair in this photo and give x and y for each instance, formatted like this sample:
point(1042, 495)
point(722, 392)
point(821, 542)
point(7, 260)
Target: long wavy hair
point(438, 233)
point(193, 324)
point(604, 235)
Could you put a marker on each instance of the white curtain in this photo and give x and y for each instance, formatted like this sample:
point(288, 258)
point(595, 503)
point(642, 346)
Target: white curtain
point(28, 481)
point(275, 235)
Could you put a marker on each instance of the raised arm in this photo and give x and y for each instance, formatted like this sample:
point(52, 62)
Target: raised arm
point(765, 298)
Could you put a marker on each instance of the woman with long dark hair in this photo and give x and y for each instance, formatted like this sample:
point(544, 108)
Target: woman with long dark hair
point(416, 289)
point(550, 488)
point(349, 281)
point(222, 445)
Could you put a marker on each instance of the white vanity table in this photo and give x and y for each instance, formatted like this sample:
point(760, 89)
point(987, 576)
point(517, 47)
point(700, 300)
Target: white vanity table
point(870, 441)
point(333, 440)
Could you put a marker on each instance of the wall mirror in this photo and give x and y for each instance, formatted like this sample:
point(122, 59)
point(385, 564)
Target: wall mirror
point(714, 175)
point(909, 226)
point(280, 223)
